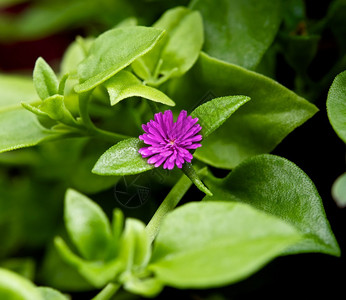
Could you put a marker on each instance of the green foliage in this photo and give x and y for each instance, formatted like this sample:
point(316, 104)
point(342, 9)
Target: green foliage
point(45, 80)
point(176, 53)
point(125, 85)
point(336, 105)
point(239, 32)
point(87, 226)
point(20, 128)
point(15, 287)
point(48, 293)
point(215, 243)
point(278, 187)
point(102, 62)
point(122, 159)
point(214, 113)
point(258, 127)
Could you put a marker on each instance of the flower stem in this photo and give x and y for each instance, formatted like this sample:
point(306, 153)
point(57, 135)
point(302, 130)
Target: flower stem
point(108, 291)
point(168, 204)
point(190, 172)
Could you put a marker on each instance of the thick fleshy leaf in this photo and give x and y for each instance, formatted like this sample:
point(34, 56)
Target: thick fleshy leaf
point(87, 225)
point(176, 53)
point(278, 187)
point(15, 287)
point(45, 80)
point(336, 105)
point(239, 32)
point(257, 127)
point(55, 108)
point(20, 128)
point(124, 85)
point(208, 244)
point(122, 159)
point(135, 247)
point(112, 51)
point(214, 113)
point(48, 293)
point(339, 190)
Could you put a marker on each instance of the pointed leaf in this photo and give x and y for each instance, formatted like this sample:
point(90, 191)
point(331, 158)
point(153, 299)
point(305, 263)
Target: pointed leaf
point(214, 113)
point(45, 80)
point(112, 51)
point(124, 85)
point(122, 159)
point(87, 225)
point(208, 244)
point(278, 187)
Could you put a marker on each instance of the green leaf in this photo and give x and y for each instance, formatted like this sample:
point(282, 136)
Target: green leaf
point(208, 244)
point(278, 187)
point(214, 113)
point(14, 90)
point(124, 85)
point(45, 80)
point(149, 287)
point(112, 51)
point(55, 108)
point(87, 225)
point(135, 247)
point(15, 287)
point(19, 129)
point(48, 293)
point(257, 127)
point(339, 190)
point(239, 32)
point(96, 272)
point(336, 105)
point(176, 53)
point(122, 159)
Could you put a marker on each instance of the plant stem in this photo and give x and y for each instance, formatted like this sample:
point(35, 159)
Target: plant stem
point(168, 204)
point(190, 172)
point(108, 291)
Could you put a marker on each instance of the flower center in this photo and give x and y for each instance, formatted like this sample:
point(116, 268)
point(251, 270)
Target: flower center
point(172, 142)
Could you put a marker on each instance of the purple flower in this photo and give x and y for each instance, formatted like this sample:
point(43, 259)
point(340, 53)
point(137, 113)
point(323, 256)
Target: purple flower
point(170, 141)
